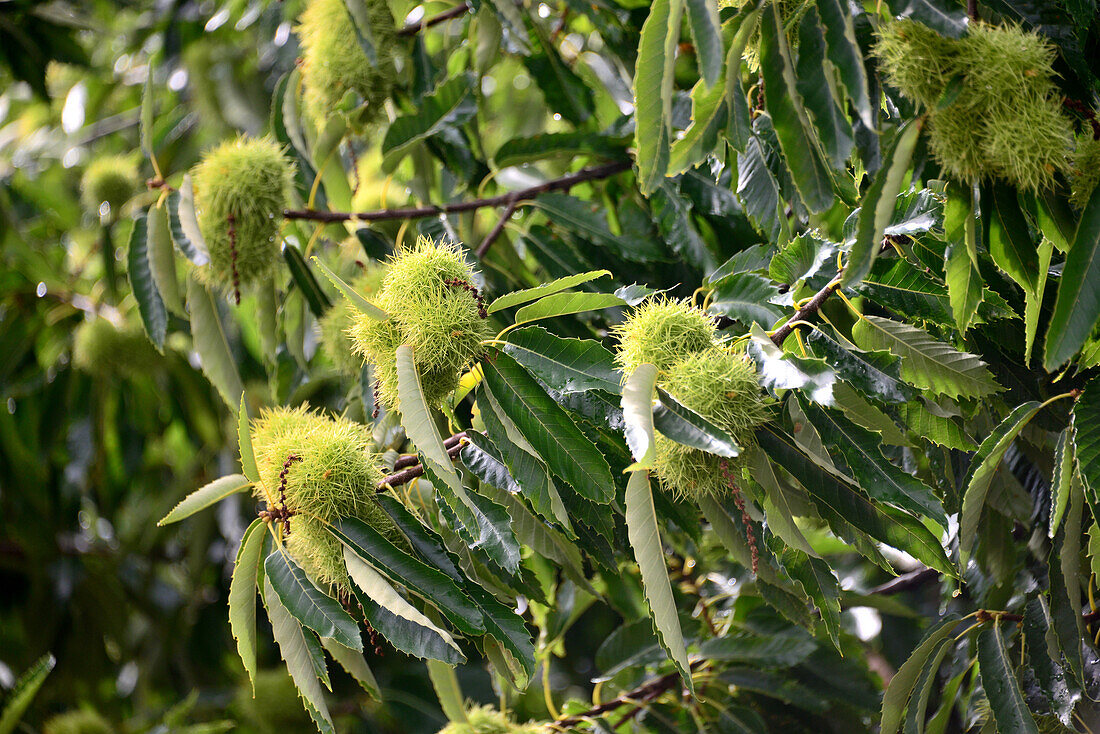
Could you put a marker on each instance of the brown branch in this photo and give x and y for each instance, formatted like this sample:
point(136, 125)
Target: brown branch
point(497, 228)
point(406, 460)
point(417, 470)
point(972, 10)
point(412, 29)
point(644, 693)
point(564, 183)
point(906, 581)
point(805, 312)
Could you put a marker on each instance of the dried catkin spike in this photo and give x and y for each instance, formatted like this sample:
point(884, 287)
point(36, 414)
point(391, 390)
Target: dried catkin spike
point(434, 308)
point(334, 64)
point(322, 469)
point(241, 189)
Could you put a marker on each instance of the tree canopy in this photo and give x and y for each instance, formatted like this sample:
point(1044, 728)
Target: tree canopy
point(573, 365)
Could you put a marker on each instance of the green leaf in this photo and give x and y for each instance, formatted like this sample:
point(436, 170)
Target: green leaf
point(938, 429)
point(295, 651)
point(875, 374)
point(447, 690)
point(564, 91)
point(1078, 303)
point(983, 467)
point(877, 208)
point(209, 340)
point(522, 460)
point(1006, 701)
point(524, 150)
point(843, 52)
point(563, 304)
point(504, 625)
point(551, 432)
point(800, 259)
point(777, 504)
point(242, 595)
point(654, 80)
point(781, 370)
point(925, 361)
point(154, 316)
point(817, 579)
point(309, 605)
point(645, 541)
point(162, 260)
point(888, 526)
point(302, 276)
point(518, 298)
point(792, 124)
point(1052, 679)
point(448, 104)
point(566, 365)
point(683, 425)
point(861, 451)
point(405, 626)
point(908, 291)
point(947, 21)
point(361, 304)
point(183, 223)
point(638, 416)
point(1086, 435)
point(423, 432)
point(964, 286)
point(429, 583)
point(901, 685)
point(1062, 481)
point(1033, 300)
point(424, 540)
point(244, 442)
point(1010, 243)
point(814, 84)
point(779, 650)
point(707, 35)
point(1063, 582)
point(746, 298)
point(205, 496)
point(355, 664)
point(24, 691)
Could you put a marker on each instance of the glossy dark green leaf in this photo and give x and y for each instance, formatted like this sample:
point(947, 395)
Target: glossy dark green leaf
point(908, 291)
point(402, 624)
point(707, 35)
point(901, 685)
point(983, 467)
point(1010, 242)
point(1078, 305)
point(878, 204)
point(569, 144)
point(875, 374)
point(318, 302)
point(1063, 570)
point(745, 297)
point(653, 86)
point(427, 582)
point(184, 225)
point(800, 259)
point(565, 92)
point(778, 650)
point(1062, 480)
point(551, 432)
point(683, 425)
point(309, 605)
point(566, 365)
point(792, 124)
point(888, 526)
point(672, 214)
point(833, 128)
point(505, 626)
point(843, 52)
point(448, 104)
point(1053, 682)
point(781, 370)
point(154, 316)
point(1006, 700)
point(1086, 435)
point(861, 451)
point(425, 542)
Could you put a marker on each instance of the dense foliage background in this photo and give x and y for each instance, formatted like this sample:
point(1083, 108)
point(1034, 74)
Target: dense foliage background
point(926, 489)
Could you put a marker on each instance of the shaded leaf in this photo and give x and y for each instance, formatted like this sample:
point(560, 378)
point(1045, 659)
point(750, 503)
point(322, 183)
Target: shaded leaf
point(309, 605)
point(242, 595)
point(683, 425)
point(901, 685)
point(209, 340)
point(1078, 303)
point(1006, 701)
point(154, 316)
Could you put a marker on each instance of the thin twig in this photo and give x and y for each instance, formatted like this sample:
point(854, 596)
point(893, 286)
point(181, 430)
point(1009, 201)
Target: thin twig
point(972, 10)
point(416, 470)
point(412, 29)
point(645, 692)
point(497, 228)
point(564, 183)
